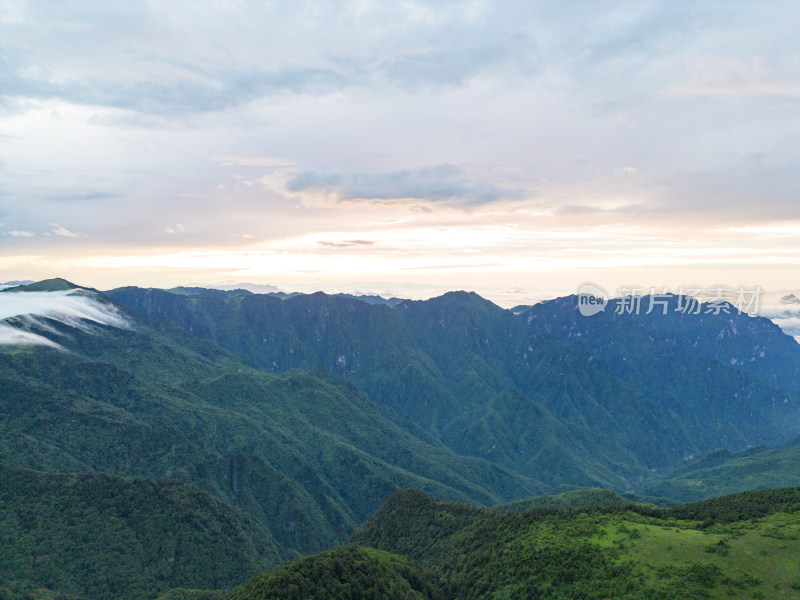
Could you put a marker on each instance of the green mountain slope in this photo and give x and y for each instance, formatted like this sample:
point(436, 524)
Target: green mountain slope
point(504, 409)
point(407, 367)
point(722, 334)
point(741, 546)
point(347, 572)
point(94, 535)
point(692, 398)
point(572, 500)
point(376, 348)
point(307, 455)
point(563, 399)
point(723, 472)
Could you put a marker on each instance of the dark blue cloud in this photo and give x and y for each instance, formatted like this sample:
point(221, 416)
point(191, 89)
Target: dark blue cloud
point(183, 58)
point(445, 184)
point(221, 58)
point(217, 90)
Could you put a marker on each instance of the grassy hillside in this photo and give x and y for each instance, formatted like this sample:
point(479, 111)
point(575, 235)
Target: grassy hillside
point(572, 500)
point(723, 472)
point(741, 546)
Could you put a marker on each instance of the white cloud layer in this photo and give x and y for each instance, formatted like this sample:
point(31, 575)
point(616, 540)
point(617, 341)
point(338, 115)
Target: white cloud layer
point(140, 128)
point(786, 316)
point(76, 309)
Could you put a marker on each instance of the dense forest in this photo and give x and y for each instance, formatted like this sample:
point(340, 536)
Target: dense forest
point(739, 546)
point(95, 535)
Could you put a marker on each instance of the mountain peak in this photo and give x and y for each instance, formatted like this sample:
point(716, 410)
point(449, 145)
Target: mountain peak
point(55, 284)
point(458, 298)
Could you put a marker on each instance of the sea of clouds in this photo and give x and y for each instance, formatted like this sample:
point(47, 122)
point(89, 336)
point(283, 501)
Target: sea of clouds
point(75, 308)
point(785, 316)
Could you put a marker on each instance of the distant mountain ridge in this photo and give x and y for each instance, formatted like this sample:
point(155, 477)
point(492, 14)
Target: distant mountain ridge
point(458, 365)
point(16, 282)
point(723, 472)
point(240, 291)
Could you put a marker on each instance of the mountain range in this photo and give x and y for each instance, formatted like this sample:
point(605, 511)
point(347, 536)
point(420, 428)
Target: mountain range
point(283, 423)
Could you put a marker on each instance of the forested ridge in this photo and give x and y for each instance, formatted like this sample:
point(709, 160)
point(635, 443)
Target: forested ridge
point(738, 546)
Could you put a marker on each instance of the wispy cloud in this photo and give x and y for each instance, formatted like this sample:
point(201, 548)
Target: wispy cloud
point(250, 160)
point(583, 209)
point(347, 243)
point(622, 171)
point(785, 315)
point(734, 76)
point(743, 89)
point(27, 309)
point(64, 232)
point(11, 336)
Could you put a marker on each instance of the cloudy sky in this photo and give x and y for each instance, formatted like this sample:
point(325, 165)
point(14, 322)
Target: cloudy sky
point(513, 148)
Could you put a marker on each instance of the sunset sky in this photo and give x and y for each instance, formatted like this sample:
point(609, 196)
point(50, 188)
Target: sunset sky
point(516, 149)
